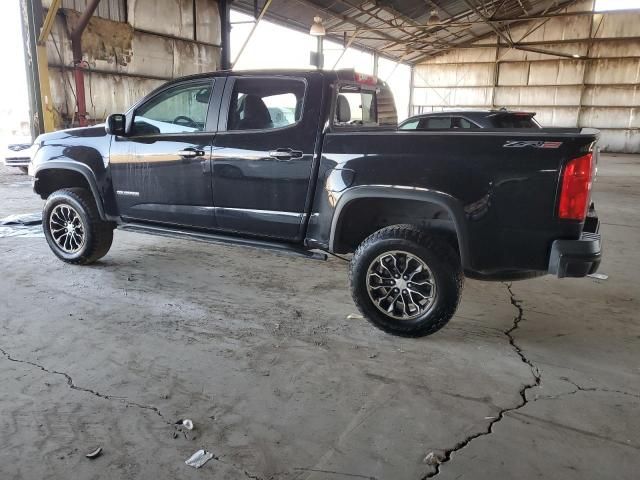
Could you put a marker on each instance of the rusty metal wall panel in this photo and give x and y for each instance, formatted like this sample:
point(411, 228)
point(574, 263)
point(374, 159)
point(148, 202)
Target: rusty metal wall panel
point(476, 97)
point(169, 17)
point(610, 117)
point(106, 93)
point(615, 48)
point(619, 70)
point(207, 21)
point(612, 96)
point(538, 96)
point(461, 55)
point(109, 9)
point(623, 141)
point(123, 63)
point(461, 75)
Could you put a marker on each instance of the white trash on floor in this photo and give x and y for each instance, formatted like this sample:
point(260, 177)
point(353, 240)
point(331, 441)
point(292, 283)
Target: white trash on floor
point(199, 458)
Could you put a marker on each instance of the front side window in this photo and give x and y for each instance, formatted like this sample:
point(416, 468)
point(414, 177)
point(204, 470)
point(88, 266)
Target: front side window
point(181, 109)
point(265, 103)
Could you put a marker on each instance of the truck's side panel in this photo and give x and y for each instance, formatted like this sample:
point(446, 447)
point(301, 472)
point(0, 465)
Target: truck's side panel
point(506, 189)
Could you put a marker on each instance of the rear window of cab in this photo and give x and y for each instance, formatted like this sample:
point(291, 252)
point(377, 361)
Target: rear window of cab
point(364, 106)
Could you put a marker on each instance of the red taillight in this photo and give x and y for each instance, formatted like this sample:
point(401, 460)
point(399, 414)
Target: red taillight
point(365, 79)
point(576, 186)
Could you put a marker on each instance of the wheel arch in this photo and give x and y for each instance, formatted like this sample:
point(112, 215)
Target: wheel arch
point(57, 174)
point(427, 200)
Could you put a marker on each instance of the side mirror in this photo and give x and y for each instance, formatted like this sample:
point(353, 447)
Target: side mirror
point(116, 124)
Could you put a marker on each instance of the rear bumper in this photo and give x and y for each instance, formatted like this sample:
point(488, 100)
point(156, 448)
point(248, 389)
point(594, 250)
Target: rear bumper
point(575, 258)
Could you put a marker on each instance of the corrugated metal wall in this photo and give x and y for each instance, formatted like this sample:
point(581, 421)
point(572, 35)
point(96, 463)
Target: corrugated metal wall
point(601, 91)
point(130, 48)
point(110, 9)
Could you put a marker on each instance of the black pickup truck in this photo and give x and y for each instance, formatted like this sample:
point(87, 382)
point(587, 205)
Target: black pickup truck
point(313, 162)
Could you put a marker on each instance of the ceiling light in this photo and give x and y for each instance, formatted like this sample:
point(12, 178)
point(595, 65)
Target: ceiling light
point(434, 18)
point(317, 29)
point(575, 55)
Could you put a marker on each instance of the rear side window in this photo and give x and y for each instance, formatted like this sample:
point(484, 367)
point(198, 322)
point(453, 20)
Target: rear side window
point(514, 121)
point(434, 123)
point(357, 106)
point(460, 122)
point(265, 103)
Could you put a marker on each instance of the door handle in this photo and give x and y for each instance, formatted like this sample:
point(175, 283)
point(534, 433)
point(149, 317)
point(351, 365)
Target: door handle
point(285, 154)
point(191, 153)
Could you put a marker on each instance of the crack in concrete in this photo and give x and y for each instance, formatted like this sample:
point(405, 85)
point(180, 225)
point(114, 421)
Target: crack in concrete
point(333, 472)
point(537, 380)
point(580, 388)
point(71, 384)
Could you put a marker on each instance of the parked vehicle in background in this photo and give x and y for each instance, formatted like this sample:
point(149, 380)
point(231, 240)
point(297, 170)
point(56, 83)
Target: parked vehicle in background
point(203, 158)
point(19, 155)
point(470, 119)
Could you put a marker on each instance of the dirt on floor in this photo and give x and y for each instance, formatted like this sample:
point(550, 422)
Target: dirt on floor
point(539, 378)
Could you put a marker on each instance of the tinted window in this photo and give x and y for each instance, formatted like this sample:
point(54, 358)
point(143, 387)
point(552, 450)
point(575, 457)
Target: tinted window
point(180, 109)
point(412, 125)
point(264, 103)
point(459, 122)
point(514, 121)
point(434, 123)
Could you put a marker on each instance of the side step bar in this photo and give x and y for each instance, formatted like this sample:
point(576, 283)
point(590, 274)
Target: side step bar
point(217, 239)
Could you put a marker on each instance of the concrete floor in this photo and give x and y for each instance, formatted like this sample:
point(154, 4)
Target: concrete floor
point(540, 379)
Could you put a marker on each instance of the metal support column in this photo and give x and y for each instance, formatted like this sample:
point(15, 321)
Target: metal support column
point(376, 58)
point(411, 83)
point(30, 29)
point(320, 52)
point(225, 34)
point(48, 113)
point(78, 70)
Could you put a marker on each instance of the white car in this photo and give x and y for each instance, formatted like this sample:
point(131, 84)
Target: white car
point(19, 155)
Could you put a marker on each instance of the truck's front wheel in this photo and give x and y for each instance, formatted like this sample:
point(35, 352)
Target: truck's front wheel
point(73, 228)
point(406, 281)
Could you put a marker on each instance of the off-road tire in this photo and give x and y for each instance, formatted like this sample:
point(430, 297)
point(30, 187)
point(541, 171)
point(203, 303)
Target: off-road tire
point(441, 258)
point(98, 233)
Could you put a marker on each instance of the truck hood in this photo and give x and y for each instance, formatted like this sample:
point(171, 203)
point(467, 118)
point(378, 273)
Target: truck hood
point(94, 131)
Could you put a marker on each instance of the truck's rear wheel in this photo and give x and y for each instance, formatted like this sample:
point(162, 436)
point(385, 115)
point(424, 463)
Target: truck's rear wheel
point(73, 228)
point(405, 281)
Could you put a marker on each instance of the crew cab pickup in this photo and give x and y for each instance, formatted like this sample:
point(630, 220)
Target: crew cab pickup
point(311, 163)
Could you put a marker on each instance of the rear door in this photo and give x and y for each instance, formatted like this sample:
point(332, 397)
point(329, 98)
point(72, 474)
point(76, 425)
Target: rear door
point(263, 155)
point(162, 170)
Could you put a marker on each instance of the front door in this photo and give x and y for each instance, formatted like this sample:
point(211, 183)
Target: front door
point(162, 170)
point(263, 156)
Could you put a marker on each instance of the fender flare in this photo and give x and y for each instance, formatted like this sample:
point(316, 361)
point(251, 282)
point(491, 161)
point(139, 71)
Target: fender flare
point(444, 200)
point(80, 168)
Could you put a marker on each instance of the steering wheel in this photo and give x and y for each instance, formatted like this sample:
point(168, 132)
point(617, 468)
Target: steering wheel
point(184, 121)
